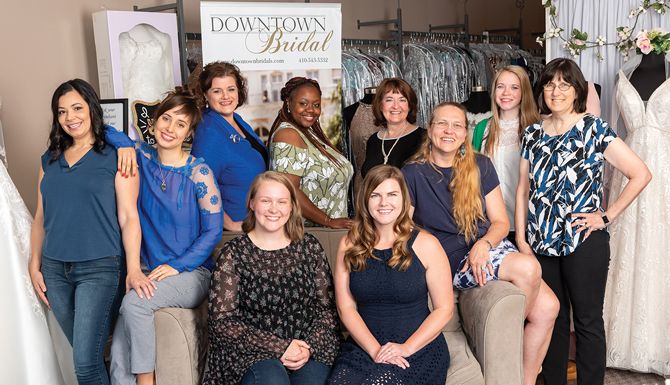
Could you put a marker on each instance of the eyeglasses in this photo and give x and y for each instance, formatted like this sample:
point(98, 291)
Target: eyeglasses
point(442, 124)
point(551, 86)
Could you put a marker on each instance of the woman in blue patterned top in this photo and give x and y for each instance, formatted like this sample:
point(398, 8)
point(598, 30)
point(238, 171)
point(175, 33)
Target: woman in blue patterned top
point(561, 218)
point(180, 213)
point(226, 142)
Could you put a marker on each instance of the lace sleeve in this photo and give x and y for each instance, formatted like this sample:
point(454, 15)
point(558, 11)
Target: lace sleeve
point(224, 313)
point(288, 158)
point(211, 221)
point(323, 335)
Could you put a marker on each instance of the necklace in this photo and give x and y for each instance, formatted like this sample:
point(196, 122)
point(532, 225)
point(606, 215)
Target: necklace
point(160, 169)
point(386, 156)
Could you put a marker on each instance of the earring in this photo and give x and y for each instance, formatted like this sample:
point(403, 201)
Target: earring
point(288, 110)
point(461, 150)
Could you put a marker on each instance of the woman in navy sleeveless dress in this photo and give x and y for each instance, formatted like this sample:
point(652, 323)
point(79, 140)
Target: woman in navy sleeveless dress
point(385, 270)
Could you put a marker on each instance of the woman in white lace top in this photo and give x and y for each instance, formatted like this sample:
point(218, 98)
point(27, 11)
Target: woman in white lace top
point(513, 109)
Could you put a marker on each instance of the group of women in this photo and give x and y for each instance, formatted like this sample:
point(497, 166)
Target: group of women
point(102, 231)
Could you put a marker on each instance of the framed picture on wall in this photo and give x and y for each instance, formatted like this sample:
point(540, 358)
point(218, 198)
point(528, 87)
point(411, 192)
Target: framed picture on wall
point(115, 113)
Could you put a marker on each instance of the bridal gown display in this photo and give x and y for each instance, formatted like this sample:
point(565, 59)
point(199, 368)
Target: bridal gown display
point(27, 354)
point(637, 299)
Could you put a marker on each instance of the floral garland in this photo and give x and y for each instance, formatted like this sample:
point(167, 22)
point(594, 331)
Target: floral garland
point(644, 42)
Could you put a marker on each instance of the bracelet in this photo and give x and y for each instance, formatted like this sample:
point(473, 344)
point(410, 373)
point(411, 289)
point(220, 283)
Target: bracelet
point(328, 219)
point(488, 242)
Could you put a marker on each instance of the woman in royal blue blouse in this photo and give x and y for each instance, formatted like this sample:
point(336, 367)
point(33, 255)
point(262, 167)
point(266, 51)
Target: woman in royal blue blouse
point(180, 214)
point(226, 142)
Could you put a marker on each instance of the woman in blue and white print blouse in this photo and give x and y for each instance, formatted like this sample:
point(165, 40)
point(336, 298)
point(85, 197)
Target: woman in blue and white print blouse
point(560, 216)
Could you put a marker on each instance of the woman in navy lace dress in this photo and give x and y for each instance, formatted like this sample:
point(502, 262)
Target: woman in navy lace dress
point(386, 269)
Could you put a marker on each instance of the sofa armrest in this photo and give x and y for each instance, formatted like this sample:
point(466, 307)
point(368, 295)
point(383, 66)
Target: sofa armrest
point(493, 321)
point(181, 345)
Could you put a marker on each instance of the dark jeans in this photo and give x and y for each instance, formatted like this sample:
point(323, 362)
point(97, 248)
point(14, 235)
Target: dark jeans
point(272, 372)
point(578, 279)
point(85, 298)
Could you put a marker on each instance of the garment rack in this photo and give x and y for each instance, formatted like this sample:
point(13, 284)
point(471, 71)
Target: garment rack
point(397, 22)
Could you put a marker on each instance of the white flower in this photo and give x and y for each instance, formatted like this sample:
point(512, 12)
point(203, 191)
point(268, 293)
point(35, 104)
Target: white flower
point(601, 40)
point(322, 204)
point(327, 171)
point(539, 40)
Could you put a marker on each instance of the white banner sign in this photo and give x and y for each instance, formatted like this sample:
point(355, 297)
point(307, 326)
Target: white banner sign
point(267, 36)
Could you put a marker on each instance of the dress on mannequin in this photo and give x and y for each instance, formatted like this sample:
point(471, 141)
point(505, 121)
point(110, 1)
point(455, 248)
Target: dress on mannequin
point(636, 310)
point(146, 63)
point(26, 351)
point(361, 126)
point(478, 106)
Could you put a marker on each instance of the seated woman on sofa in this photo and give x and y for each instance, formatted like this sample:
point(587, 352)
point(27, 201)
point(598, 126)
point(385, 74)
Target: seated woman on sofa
point(272, 317)
point(456, 196)
point(181, 218)
point(386, 268)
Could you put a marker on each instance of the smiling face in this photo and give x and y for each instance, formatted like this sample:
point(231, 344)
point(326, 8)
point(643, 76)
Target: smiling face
point(559, 101)
point(385, 203)
point(508, 91)
point(223, 95)
point(171, 128)
point(447, 132)
point(305, 106)
point(271, 206)
point(395, 108)
point(74, 115)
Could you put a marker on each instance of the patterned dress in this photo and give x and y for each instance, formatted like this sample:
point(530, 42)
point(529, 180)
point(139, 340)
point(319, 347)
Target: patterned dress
point(325, 183)
point(393, 304)
point(260, 300)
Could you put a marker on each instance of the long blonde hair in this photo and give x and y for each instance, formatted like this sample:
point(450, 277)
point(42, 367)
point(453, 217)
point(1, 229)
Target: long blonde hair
point(362, 236)
point(465, 185)
point(294, 227)
point(528, 112)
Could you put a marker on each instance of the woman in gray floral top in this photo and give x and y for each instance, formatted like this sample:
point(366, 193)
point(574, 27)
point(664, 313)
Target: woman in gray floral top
point(300, 150)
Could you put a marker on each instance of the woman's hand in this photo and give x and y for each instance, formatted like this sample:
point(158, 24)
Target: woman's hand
point(296, 355)
point(479, 261)
point(588, 221)
point(127, 161)
point(340, 223)
point(38, 283)
point(524, 247)
point(136, 280)
point(392, 353)
point(162, 271)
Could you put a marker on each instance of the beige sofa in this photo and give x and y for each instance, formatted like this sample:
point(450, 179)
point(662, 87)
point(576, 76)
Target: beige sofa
point(484, 336)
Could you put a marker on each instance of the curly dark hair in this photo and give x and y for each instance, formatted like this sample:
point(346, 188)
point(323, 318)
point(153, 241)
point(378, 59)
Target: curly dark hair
point(220, 69)
point(59, 140)
point(311, 133)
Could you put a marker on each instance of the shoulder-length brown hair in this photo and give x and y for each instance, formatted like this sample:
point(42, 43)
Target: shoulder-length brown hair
point(294, 227)
point(465, 184)
point(363, 236)
point(221, 69)
point(528, 113)
point(571, 74)
point(393, 85)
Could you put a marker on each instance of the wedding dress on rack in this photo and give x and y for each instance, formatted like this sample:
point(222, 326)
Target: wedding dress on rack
point(26, 351)
point(637, 298)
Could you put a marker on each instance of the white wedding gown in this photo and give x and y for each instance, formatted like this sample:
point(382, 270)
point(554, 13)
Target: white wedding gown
point(27, 354)
point(637, 299)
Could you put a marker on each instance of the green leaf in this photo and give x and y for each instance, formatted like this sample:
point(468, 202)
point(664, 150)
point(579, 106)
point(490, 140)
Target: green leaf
point(552, 10)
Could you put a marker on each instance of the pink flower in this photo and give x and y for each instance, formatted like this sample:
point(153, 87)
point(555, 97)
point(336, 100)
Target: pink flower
point(643, 43)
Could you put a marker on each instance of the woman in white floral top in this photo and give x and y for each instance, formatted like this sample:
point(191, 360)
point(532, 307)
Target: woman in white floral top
point(300, 150)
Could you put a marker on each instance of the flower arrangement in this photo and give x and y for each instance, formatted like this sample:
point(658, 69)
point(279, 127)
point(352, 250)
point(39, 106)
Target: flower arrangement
point(656, 41)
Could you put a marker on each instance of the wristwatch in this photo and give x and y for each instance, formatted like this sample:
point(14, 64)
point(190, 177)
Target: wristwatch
point(605, 219)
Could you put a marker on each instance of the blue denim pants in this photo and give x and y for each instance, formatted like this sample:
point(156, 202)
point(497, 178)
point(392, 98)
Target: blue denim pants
point(85, 298)
point(273, 372)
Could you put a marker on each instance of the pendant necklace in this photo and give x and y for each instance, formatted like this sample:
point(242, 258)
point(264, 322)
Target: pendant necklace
point(163, 184)
point(386, 156)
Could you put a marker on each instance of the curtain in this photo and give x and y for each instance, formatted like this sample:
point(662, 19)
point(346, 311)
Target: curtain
point(601, 17)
